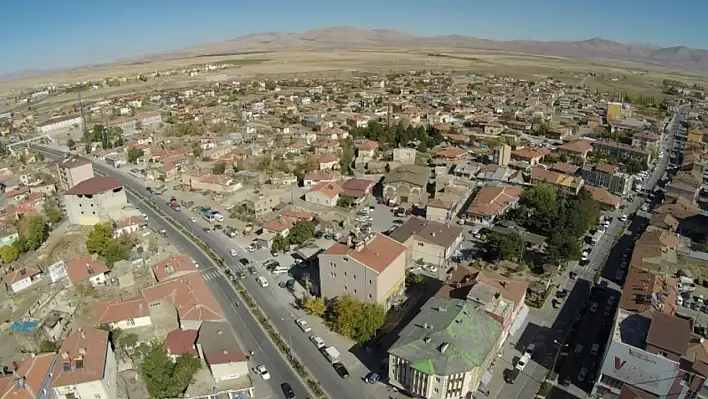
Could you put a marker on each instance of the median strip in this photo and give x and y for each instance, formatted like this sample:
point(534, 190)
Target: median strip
point(312, 384)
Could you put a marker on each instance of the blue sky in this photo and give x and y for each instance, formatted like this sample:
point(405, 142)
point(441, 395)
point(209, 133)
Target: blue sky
point(44, 34)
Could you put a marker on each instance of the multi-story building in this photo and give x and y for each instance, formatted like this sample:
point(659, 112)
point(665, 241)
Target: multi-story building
point(86, 366)
point(622, 152)
point(646, 139)
point(654, 352)
point(407, 185)
point(98, 199)
point(445, 351)
point(30, 379)
point(431, 242)
point(73, 171)
point(63, 122)
point(608, 177)
point(565, 183)
point(370, 268)
point(502, 155)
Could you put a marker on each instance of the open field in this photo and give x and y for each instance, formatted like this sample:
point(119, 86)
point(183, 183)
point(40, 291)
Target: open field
point(609, 76)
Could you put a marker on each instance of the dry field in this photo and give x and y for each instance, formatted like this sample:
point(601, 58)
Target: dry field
point(610, 75)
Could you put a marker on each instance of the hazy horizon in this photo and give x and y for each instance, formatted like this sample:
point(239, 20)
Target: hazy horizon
point(75, 33)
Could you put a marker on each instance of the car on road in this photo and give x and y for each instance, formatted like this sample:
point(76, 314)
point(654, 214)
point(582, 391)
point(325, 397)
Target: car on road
point(252, 270)
point(263, 372)
point(593, 307)
point(522, 362)
point(287, 390)
point(585, 256)
point(244, 261)
point(304, 326)
point(193, 219)
point(583, 374)
point(207, 230)
point(251, 248)
point(241, 275)
point(511, 375)
point(271, 264)
point(595, 349)
point(373, 378)
point(619, 275)
point(623, 218)
point(601, 229)
point(529, 350)
point(262, 281)
point(341, 370)
point(319, 343)
point(233, 252)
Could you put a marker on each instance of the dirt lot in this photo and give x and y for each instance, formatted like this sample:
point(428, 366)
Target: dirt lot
point(328, 63)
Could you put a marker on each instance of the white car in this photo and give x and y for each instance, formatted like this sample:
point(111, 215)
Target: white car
point(523, 361)
point(193, 219)
point(263, 372)
point(623, 218)
point(303, 325)
point(601, 229)
point(585, 256)
point(251, 248)
point(319, 343)
point(233, 252)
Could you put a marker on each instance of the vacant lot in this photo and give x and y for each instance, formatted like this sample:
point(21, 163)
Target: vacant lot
point(609, 74)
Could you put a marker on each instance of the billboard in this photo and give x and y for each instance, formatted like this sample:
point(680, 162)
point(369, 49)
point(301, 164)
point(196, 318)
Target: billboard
point(642, 369)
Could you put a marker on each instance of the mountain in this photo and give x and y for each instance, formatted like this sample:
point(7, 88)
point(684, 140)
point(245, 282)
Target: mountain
point(347, 37)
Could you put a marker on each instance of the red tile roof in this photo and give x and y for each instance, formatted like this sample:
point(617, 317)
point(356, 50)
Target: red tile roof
point(189, 295)
point(84, 268)
point(88, 344)
point(377, 254)
point(32, 370)
point(174, 266)
point(116, 310)
point(181, 342)
point(95, 185)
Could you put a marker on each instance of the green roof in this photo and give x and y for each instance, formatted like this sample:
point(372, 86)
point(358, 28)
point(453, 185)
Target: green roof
point(448, 336)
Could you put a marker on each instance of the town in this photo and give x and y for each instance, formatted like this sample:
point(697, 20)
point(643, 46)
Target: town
point(426, 234)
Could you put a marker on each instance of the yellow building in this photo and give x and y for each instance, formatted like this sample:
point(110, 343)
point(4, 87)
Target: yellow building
point(695, 135)
point(614, 111)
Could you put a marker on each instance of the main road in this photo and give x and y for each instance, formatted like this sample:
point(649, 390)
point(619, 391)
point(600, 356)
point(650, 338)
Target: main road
point(278, 314)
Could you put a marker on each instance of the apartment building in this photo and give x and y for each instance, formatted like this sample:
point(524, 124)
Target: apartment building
point(646, 139)
point(565, 183)
point(445, 351)
point(608, 177)
point(73, 170)
point(370, 268)
point(98, 199)
point(427, 241)
point(622, 152)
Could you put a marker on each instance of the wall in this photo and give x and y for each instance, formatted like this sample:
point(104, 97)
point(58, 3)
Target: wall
point(139, 322)
point(69, 177)
point(635, 366)
point(229, 371)
point(321, 199)
point(21, 285)
point(89, 210)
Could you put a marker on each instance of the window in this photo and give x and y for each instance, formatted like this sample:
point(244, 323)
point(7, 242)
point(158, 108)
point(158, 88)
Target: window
point(346, 259)
point(436, 390)
point(130, 322)
point(93, 213)
point(354, 276)
point(97, 395)
point(333, 274)
point(369, 282)
point(332, 264)
point(345, 274)
point(345, 288)
point(420, 244)
point(369, 296)
point(437, 380)
point(355, 290)
point(662, 353)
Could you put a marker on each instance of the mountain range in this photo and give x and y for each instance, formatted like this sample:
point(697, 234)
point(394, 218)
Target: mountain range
point(347, 38)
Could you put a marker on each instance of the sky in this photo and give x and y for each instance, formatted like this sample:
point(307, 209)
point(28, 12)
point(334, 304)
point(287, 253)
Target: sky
point(50, 34)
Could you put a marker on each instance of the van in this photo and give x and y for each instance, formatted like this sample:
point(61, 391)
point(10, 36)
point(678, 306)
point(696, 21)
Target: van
point(262, 281)
point(280, 270)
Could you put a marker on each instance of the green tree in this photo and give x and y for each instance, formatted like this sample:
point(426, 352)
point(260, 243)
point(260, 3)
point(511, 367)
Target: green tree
point(280, 244)
point(37, 233)
point(98, 238)
point(347, 158)
point(9, 253)
point(219, 168)
point(134, 154)
point(562, 247)
point(164, 378)
point(346, 201)
point(51, 212)
point(197, 150)
point(500, 246)
point(100, 241)
point(423, 147)
point(97, 133)
point(370, 320)
point(71, 144)
point(355, 319)
point(315, 306)
point(302, 231)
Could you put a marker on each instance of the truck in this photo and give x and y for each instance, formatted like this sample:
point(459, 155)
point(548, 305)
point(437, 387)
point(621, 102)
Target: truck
point(331, 353)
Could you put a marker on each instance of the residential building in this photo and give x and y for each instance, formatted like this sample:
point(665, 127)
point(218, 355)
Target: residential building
point(608, 201)
point(575, 151)
point(175, 266)
point(98, 199)
point(221, 352)
point(647, 140)
point(404, 156)
point(655, 353)
point(280, 225)
point(22, 278)
point(86, 366)
point(60, 123)
point(532, 156)
point(259, 204)
point(125, 315)
point(491, 202)
point(88, 270)
point(30, 379)
point(609, 177)
point(358, 189)
point(407, 186)
point(439, 210)
point(326, 194)
point(614, 111)
point(181, 343)
point(501, 155)
point(319, 176)
point(620, 151)
point(445, 351)
point(73, 171)
point(215, 183)
point(370, 269)
point(565, 183)
point(429, 242)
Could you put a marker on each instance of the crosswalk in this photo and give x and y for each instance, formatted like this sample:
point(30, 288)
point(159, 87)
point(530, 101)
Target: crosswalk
point(211, 275)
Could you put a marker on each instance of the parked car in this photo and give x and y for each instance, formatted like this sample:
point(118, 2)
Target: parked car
point(244, 261)
point(263, 372)
point(341, 370)
point(287, 390)
point(319, 343)
point(373, 378)
point(304, 326)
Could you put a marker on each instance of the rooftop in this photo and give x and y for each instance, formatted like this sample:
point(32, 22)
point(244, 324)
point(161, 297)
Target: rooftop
point(448, 336)
point(82, 357)
point(95, 185)
point(218, 344)
point(190, 295)
point(377, 253)
point(428, 231)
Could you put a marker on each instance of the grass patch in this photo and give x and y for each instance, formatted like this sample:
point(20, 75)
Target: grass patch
point(244, 61)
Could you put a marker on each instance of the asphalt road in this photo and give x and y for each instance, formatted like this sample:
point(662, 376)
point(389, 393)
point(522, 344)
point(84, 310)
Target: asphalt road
point(250, 333)
point(277, 313)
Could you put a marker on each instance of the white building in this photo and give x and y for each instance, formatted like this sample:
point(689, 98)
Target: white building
point(86, 366)
point(96, 200)
point(63, 122)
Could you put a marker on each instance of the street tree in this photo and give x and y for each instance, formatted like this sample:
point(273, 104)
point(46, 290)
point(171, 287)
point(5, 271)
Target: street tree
point(36, 233)
point(71, 144)
point(302, 231)
point(9, 253)
point(279, 244)
point(500, 246)
point(219, 168)
point(315, 306)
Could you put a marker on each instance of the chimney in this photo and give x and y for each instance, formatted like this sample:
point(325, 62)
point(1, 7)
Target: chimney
point(349, 241)
point(82, 351)
point(83, 334)
point(432, 234)
point(65, 355)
